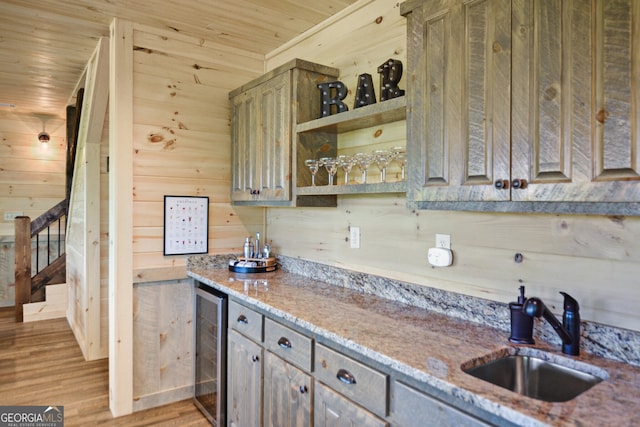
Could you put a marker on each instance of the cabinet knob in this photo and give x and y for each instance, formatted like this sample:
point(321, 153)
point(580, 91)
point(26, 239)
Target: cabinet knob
point(346, 376)
point(255, 358)
point(243, 319)
point(519, 183)
point(284, 343)
point(303, 389)
point(501, 184)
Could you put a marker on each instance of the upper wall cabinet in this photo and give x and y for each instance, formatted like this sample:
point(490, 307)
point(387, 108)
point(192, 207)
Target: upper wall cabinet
point(523, 105)
point(263, 113)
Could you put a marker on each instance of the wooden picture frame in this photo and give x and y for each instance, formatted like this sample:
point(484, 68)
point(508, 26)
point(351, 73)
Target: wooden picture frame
point(186, 225)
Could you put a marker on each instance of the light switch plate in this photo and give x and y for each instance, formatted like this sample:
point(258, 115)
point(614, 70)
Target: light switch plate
point(10, 216)
point(354, 237)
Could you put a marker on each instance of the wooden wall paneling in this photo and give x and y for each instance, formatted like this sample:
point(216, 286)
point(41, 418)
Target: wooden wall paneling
point(163, 311)
point(120, 222)
point(599, 273)
point(152, 188)
point(104, 238)
point(225, 58)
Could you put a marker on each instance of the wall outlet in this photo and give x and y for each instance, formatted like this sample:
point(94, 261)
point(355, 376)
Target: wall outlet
point(10, 216)
point(443, 241)
point(354, 237)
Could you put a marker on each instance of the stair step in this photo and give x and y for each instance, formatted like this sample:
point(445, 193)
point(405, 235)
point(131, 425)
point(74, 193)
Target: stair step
point(53, 308)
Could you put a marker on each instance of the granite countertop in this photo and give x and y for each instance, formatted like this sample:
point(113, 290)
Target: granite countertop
point(432, 347)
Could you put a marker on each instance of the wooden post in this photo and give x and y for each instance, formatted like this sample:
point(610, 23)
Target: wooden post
point(23, 264)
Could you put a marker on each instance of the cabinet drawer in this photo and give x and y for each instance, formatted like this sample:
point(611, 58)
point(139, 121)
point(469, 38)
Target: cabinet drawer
point(245, 320)
point(288, 344)
point(354, 380)
point(410, 407)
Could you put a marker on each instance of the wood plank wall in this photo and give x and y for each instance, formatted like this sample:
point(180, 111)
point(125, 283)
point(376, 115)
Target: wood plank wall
point(594, 258)
point(181, 146)
point(181, 129)
point(32, 178)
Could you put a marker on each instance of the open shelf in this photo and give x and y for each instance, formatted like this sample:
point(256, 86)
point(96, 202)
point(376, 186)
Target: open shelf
point(384, 112)
point(376, 187)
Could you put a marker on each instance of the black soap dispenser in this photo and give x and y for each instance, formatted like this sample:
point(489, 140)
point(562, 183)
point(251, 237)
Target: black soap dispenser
point(521, 324)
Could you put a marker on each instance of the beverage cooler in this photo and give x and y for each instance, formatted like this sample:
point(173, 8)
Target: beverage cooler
point(211, 353)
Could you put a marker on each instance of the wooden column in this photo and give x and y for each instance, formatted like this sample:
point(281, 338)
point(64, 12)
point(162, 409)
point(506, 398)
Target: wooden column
point(23, 264)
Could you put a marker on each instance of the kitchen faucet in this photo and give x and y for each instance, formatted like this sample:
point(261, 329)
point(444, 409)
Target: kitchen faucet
point(568, 330)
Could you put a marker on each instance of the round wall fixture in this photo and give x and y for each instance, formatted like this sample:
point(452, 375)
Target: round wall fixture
point(43, 137)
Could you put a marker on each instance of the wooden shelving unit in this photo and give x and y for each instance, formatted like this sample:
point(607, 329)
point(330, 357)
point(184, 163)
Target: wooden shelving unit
point(313, 137)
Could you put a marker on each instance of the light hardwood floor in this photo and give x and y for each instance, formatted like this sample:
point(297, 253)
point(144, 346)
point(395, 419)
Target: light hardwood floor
point(41, 364)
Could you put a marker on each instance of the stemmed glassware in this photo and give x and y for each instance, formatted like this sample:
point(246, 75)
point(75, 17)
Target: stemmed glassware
point(346, 163)
point(400, 156)
point(313, 166)
point(382, 159)
point(331, 164)
point(364, 160)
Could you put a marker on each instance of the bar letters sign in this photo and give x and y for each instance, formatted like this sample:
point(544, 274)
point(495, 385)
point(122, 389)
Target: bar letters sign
point(186, 225)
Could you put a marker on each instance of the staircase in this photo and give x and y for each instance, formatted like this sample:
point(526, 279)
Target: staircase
point(35, 238)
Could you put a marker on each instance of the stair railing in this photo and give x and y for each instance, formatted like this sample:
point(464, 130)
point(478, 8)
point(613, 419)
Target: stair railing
point(30, 286)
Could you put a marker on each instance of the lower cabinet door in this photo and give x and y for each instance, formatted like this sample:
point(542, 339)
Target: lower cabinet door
point(244, 382)
point(333, 410)
point(411, 408)
point(288, 394)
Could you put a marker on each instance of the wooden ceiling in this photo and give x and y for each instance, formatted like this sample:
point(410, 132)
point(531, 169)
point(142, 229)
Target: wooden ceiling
point(45, 44)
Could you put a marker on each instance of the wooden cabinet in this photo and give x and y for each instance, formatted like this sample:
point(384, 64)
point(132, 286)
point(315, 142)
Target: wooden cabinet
point(263, 113)
point(517, 101)
point(289, 380)
point(244, 381)
point(261, 135)
point(333, 410)
point(410, 407)
point(288, 394)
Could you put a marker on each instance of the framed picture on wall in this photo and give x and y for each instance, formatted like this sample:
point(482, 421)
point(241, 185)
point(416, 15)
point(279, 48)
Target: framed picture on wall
point(186, 225)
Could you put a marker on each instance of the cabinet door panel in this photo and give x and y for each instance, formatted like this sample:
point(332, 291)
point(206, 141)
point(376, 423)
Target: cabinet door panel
point(459, 124)
point(244, 153)
point(575, 112)
point(332, 410)
point(244, 381)
point(275, 139)
point(288, 393)
point(616, 35)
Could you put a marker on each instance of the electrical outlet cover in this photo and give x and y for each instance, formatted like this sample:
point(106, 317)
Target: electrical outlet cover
point(440, 257)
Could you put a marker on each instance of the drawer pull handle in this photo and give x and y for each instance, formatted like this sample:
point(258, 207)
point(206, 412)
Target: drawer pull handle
point(243, 319)
point(346, 377)
point(255, 358)
point(303, 389)
point(284, 343)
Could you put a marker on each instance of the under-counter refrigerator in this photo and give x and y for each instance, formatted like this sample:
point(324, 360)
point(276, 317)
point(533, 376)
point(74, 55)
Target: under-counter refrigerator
point(211, 353)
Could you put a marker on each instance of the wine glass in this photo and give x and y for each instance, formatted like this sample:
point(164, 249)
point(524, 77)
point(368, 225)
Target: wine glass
point(313, 166)
point(400, 156)
point(364, 161)
point(346, 163)
point(382, 159)
point(331, 164)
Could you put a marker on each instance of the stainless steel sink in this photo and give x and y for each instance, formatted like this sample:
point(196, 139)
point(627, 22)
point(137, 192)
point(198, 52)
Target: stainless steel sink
point(535, 377)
